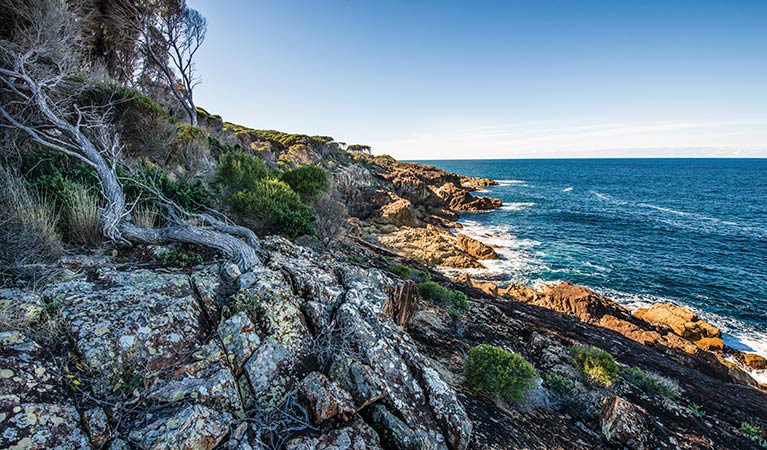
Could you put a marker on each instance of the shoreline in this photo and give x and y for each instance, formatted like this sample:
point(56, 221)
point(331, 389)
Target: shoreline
point(502, 271)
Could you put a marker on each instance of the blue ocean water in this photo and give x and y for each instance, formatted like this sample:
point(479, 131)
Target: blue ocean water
point(687, 231)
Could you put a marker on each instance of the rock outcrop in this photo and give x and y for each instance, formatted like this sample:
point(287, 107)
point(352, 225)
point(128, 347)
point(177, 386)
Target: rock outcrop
point(685, 323)
point(623, 423)
point(476, 248)
point(431, 246)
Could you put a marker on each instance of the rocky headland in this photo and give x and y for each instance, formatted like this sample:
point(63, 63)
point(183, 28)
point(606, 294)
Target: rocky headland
point(339, 348)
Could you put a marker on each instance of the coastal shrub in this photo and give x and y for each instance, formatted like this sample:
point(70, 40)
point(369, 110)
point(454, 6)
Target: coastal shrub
point(456, 302)
point(275, 208)
point(239, 170)
point(560, 384)
point(651, 383)
point(754, 433)
point(309, 182)
point(145, 215)
point(595, 363)
point(192, 195)
point(180, 258)
point(82, 212)
point(189, 147)
point(28, 236)
point(400, 271)
point(499, 372)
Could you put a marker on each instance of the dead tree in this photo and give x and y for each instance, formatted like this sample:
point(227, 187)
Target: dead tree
point(38, 84)
point(171, 33)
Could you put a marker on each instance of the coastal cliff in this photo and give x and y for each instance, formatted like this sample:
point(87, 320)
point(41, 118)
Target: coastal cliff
point(347, 345)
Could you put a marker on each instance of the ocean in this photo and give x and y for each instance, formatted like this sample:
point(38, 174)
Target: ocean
point(691, 232)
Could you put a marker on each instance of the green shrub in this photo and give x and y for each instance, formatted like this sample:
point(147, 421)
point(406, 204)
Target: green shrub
point(456, 302)
point(560, 384)
point(499, 372)
point(401, 271)
point(109, 91)
point(275, 208)
point(754, 433)
point(651, 383)
point(309, 182)
point(597, 364)
point(239, 170)
point(192, 195)
point(179, 258)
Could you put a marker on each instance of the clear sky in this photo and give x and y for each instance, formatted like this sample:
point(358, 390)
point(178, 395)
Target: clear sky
point(495, 79)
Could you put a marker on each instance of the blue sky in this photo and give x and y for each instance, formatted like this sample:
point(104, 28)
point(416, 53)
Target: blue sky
point(495, 79)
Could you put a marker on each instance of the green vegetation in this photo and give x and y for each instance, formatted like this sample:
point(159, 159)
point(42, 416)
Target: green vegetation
point(651, 383)
point(103, 92)
point(456, 302)
point(754, 433)
point(309, 182)
point(82, 212)
point(696, 410)
point(406, 272)
point(256, 192)
point(192, 195)
point(276, 207)
point(499, 372)
point(597, 364)
point(240, 171)
point(180, 258)
point(560, 384)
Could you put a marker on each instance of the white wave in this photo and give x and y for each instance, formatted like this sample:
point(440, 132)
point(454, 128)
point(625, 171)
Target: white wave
point(736, 334)
point(567, 189)
point(517, 206)
point(522, 183)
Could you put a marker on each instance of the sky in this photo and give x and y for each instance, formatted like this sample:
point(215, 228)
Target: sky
point(495, 79)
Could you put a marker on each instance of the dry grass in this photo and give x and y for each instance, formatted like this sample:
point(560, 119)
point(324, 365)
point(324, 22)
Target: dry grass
point(145, 216)
point(28, 237)
point(83, 212)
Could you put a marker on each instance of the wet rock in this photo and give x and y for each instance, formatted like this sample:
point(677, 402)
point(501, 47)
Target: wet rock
point(684, 323)
point(476, 248)
point(460, 199)
point(192, 428)
point(323, 399)
point(624, 423)
point(239, 337)
point(34, 409)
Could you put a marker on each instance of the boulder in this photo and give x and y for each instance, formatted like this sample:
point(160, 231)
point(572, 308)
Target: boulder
point(394, 433)
point(96, 424)
point(398, 212)
point(356, 436)
point(624, 423)
point(684, 323)
point(323, 399)
point(192, 428)
point(751, 360)
point(431, 246)
point(459, 199)
point(476, 248)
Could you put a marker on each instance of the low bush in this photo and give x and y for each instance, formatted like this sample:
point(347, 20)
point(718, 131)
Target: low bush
point(651, 383)
point(595, 363)
point(309, 182)
point(275, 208)
point(754, 433)
point(180, 258)
point(401, 271)
point(456, 302)
point(560, 384)
point(192, 195)
point(499, 372)
point(696, 409)
point(240, 171)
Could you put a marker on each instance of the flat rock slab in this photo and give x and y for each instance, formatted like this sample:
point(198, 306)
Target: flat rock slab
point(131, 322)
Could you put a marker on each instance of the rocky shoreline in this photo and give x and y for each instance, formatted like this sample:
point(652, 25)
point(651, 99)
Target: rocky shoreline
point(337, 348)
